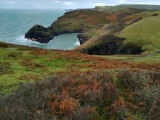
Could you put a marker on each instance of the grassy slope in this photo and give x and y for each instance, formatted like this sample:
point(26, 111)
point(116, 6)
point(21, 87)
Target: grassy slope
point(93, 36)
point(20, 65)
point(144, 32)
point(79, 20)
point(117, 19)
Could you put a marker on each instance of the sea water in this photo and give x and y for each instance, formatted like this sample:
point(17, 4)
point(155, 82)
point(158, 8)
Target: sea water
point(14, 23)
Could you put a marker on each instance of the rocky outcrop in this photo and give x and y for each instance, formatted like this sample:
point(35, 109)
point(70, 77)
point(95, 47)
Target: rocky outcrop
point(40, 34)
point(82, 38)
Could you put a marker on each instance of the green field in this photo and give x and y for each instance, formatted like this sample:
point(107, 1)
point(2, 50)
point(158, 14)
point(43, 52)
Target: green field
point(145, 32)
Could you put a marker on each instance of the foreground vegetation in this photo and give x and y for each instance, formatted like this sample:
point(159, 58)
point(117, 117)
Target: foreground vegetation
point(78, 86)
point(92, 95)
point(68, 85)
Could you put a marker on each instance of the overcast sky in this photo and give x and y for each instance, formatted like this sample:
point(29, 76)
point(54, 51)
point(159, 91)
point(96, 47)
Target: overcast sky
point(68, 4)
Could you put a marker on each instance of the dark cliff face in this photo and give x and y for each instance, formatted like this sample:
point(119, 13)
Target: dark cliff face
point(130, 48)
point(106, 45)
point(110, 44)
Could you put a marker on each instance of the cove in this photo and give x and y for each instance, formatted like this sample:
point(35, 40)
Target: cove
point(61, 42)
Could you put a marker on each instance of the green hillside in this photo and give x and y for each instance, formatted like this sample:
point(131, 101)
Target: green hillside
point(145, 32)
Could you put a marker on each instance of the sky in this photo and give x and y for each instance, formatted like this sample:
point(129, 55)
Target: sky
point(68, 4)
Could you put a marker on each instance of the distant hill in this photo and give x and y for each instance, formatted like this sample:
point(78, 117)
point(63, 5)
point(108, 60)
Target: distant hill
point(124, 6)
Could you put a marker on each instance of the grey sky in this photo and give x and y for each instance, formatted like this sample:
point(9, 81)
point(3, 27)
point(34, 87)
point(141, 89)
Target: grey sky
point(68, 4)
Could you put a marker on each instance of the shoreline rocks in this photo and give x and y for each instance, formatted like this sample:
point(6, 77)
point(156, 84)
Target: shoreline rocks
point(82, 38)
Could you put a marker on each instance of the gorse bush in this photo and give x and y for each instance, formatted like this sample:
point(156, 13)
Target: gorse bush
point(90, 95)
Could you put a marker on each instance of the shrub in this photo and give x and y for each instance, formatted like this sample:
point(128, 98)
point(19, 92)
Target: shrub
point(62, 105)
point(132, 80)
point(141, 89)
point(90, 95)
point(84, 113)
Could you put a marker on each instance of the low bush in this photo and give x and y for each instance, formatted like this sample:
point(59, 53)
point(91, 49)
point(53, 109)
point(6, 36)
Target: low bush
point(90, 95)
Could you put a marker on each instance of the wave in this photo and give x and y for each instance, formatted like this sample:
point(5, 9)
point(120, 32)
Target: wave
point(77, 43)
point(22, 40)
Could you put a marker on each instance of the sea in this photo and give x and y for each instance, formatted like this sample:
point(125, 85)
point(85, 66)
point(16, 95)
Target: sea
point(14, 23)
